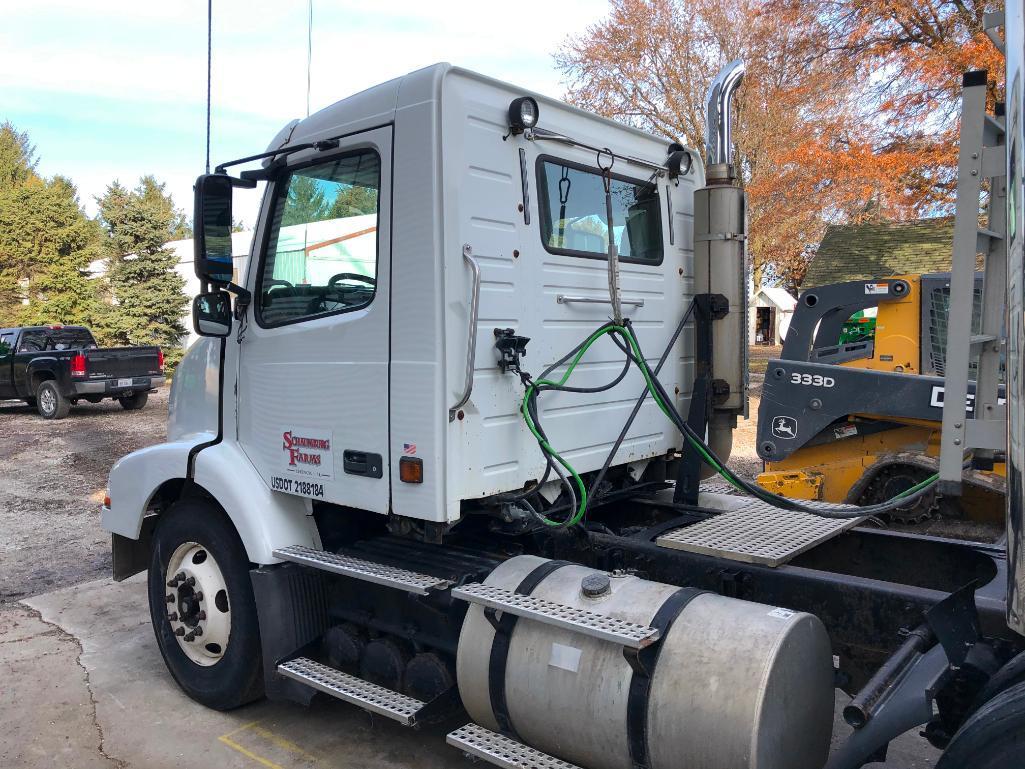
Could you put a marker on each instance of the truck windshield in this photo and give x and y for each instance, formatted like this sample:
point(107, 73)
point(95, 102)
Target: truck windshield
point(321, 257)
point(574, 220)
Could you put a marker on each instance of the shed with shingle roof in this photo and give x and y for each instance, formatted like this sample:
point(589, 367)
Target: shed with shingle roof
point(881, 249)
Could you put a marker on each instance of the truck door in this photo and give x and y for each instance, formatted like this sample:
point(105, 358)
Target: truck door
point(7, 365)
point(313, 378)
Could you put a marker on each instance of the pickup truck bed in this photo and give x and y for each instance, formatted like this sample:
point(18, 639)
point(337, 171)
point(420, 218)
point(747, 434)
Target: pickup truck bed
point(54, 367)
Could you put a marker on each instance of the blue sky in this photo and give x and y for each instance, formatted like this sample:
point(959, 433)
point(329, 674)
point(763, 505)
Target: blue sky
point(113, 89)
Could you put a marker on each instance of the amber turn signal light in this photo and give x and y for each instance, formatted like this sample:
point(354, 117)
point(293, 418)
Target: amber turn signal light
point(411, 470)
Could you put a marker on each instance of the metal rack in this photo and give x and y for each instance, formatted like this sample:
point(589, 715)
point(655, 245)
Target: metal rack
point(979, 425)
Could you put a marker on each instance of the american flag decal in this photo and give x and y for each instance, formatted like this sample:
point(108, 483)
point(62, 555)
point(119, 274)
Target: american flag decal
point(409, 449)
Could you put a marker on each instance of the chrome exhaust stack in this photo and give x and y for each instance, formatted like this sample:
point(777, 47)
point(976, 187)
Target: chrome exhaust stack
point(720, 262)
point(718, 139)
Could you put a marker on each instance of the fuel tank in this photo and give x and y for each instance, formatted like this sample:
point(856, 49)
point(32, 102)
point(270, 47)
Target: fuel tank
point(733, 684)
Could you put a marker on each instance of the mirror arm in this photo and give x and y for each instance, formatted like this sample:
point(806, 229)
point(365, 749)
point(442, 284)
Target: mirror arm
point(280, 153)
point(243, 300)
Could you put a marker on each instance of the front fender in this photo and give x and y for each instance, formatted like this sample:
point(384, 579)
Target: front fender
point(265, 520)
point(135, 478)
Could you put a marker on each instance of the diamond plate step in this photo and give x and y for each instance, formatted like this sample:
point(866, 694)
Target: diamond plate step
point(478, 742)
point(360, 568)
point(759, 532)
point(628, 634)
point(343, 686)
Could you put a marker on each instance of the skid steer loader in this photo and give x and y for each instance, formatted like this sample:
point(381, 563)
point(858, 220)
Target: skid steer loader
point(871, 330)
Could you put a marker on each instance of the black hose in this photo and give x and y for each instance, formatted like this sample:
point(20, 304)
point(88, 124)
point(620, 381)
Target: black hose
point(640, 400)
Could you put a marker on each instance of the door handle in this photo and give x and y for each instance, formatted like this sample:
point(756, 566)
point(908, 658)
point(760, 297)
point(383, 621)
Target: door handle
point(363, 463)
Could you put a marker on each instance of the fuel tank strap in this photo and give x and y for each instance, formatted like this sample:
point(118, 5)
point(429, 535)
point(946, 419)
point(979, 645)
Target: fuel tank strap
point(500, 646)
point(643, 662)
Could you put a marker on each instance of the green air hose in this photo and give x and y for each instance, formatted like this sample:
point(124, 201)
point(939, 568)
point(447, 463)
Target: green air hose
point(654, 388)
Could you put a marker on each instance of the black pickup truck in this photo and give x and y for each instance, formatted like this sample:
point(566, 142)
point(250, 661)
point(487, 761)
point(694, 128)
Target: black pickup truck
point(54, 367)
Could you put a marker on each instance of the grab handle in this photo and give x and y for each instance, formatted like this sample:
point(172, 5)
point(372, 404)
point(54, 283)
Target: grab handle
point(471, 350)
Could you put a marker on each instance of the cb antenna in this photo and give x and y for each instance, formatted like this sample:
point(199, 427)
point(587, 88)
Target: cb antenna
point(209, 60)
point(309, 52)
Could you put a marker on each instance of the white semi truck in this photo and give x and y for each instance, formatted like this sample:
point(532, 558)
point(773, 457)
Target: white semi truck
point(441, 456)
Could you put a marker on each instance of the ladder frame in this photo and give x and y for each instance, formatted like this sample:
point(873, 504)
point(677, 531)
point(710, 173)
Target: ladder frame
point(981, 155)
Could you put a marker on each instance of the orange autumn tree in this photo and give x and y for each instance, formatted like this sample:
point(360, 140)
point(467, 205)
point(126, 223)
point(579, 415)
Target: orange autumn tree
point(812, 140)
point(912, 55)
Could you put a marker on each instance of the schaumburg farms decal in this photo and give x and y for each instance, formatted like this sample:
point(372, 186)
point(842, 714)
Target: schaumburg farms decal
point(306, 452)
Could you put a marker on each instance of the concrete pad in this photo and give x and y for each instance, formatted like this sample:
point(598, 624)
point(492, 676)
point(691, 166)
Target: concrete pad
point(82, 685)
point(47, 712)
point(148, 722)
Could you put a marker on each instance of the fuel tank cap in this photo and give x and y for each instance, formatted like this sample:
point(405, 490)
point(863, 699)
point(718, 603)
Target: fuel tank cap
point(596, 585)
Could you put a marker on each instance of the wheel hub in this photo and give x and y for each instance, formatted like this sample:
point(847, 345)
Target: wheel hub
point(47, 400)
point(197, 604)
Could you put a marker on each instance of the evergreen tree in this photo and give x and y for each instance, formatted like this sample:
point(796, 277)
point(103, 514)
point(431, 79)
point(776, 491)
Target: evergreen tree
point(17, 157)
point(46, 243)
point(146, 293)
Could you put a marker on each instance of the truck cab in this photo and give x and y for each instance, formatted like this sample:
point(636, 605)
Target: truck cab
point(400, 230)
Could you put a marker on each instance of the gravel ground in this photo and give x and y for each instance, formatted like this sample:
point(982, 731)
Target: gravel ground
point(54, 475)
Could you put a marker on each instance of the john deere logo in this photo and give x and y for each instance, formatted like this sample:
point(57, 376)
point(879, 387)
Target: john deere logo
point(784, 427)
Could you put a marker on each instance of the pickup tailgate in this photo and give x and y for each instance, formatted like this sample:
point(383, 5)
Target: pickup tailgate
point(122, 362)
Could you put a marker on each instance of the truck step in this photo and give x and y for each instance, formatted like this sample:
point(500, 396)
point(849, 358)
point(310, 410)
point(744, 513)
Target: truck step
point(360, 568)
point(478, 742)
point(343, 686)
point(628, 634)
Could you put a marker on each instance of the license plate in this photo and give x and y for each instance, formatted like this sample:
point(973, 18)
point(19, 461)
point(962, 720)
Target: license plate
point(124, 383)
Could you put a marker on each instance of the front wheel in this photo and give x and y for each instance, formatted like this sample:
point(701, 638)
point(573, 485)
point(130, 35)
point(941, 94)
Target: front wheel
point(134, 401)
point(202, 606)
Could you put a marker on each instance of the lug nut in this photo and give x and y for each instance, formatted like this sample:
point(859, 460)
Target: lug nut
point(191, 582)
point(172, 617)
point(201, 616)
point(170, 598)
point(199, 595)
point(179, 631)
point(198, 631)
point(191, 637)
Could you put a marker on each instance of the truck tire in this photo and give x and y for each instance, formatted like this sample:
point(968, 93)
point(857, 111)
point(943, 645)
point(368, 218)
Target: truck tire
point(50, 403)
point(993, 737)
point(199, 578)
point(134, 401)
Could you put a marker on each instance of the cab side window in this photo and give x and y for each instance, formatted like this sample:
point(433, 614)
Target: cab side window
point(321, 255)
point(574, 217)
point(32, 341)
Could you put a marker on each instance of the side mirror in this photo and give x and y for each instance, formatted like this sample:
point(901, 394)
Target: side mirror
point(211, 314)
point(212, 227)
